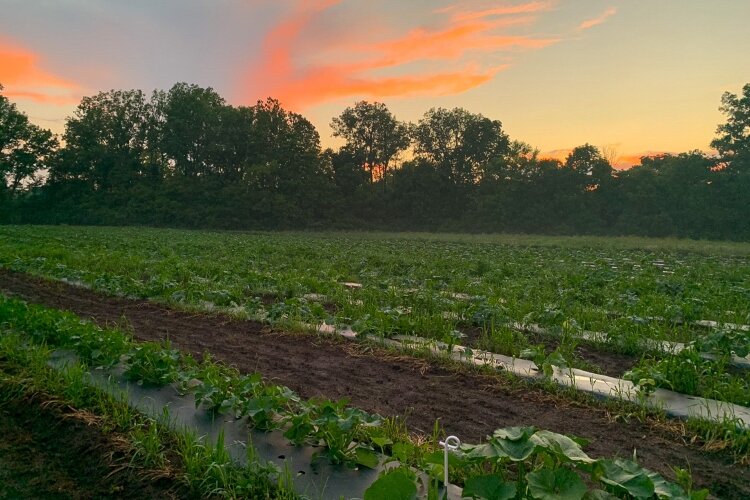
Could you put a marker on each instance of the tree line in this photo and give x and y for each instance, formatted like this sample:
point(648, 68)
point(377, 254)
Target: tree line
point(186, 158)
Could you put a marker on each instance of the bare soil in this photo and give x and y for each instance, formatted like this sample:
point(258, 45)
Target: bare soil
point(47, 454)
point(467, 404)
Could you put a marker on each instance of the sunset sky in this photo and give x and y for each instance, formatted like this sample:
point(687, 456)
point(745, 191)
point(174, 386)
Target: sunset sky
point(634, 76)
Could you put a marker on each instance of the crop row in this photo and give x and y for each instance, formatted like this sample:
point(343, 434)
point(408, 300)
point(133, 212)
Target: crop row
point(415, 287)
point(155, 448)
point(547, 285)
point(519, 462)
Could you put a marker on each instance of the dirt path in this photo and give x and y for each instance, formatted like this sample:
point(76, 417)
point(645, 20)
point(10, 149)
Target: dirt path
point(468, 405)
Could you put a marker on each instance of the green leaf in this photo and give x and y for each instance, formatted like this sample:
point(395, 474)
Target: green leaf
point(513, 443)
point(381, 442)
point(515, 450)
point(438, 457)
point(529, 353)
point(435, 471)
point(664, 489)
point(561, 445)
point(599, 495)
point(699, 494)
point(514, 433)
point(402, 451)
point(484, 450)
point(559, 484)
point(489, 487)
point(582, 442)
point(626, 476)
point(392, 486)
point(366, 457)
point(557, 359)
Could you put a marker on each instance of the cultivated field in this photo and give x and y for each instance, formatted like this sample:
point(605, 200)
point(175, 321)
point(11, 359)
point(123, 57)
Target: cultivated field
point(663, 314)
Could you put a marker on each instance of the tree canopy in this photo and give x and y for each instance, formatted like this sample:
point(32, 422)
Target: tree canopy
point(459, 142)
point(185, 157)
point(374, 137)
point(733, 141)
point(25, 150)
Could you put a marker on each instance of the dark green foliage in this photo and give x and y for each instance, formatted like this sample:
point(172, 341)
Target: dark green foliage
point(25, 150)
point(185, 158)
point(152, 364)
point(396, 485)
point(733, 142)
point(374, 138)
point(689, 373)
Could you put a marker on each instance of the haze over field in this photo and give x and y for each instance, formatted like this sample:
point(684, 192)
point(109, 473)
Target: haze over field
point(631, 77)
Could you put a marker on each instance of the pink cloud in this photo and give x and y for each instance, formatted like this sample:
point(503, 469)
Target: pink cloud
point(459, 42)
point(23, 76)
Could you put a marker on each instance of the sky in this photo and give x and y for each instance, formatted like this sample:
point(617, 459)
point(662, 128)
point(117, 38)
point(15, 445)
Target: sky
point(633, 77)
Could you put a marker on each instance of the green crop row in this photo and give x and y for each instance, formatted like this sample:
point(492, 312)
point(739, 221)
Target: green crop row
point(217, 388)
point(550, 284)
point(513, 463)
point(204, 469)
point(440, 288)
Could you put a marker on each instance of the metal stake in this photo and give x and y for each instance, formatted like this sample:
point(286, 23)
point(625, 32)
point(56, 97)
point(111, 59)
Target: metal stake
point(451, 443)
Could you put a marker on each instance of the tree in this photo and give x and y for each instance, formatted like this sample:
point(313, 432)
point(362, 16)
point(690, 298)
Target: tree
point(25, 149)
point(286, 171)
point(588, 161)
point(373, 136)
point(190, 118)
point(674, 195)
point(186, 158)
point(520, 162)
point(733, 142)
point(107, 142)
point(459, 142)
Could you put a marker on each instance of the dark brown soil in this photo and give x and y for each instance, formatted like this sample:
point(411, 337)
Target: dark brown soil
point(607, 363)
point(468, 405)
point(47, 454)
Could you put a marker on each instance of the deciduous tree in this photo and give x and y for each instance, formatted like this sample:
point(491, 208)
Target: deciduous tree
point(459, 142)
point(373, 136)
point(733, 141)
point(25, 149)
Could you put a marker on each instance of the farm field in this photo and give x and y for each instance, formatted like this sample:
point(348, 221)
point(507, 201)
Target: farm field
point(475, 291)
point(53, 356)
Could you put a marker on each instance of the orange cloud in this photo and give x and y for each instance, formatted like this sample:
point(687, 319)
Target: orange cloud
point(590, 23)
point(23, 78)
point(556, 154)
point(625, 162)
point(526, 8)
point(621, 162)
point(459, 42)
point(454, 42)
point(329, 83)
point(41, 97)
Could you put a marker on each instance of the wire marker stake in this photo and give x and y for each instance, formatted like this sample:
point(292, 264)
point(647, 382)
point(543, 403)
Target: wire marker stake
point(451, 443)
